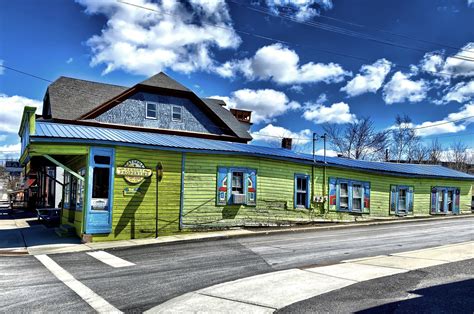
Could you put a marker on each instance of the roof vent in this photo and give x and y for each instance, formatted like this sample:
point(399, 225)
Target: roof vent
point(242, 115)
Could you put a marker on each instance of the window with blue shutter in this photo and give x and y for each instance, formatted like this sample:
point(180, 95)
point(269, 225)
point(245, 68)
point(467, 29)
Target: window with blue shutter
point(236, 186)
point(445, 200)
point(350, 195)
point(301, 191)
point(401, 200)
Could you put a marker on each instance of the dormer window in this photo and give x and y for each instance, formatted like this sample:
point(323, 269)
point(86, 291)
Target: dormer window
point(151, 112)
point(176, 113)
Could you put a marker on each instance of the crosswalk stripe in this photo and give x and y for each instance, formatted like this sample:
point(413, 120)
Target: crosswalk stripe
point(93, 299)
point(110, 259)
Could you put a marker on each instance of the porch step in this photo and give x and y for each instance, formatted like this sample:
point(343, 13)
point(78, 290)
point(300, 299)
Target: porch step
point(66, 231)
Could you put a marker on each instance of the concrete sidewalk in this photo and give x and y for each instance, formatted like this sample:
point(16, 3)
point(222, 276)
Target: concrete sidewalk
point(272, 291)
point(24, 236)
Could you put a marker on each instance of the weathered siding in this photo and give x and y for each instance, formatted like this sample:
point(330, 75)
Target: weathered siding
point(275, 193)
point(134, 216)
point(380, 190)
point(275, 185)
point(133, 112)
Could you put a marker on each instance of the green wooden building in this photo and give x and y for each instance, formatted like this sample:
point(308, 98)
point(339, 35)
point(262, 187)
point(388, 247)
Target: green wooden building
point(155, 159)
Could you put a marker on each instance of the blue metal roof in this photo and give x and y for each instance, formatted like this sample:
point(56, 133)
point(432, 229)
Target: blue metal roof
point(60, 132)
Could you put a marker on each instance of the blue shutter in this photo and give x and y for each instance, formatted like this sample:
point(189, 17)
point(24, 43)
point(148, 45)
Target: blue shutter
point(457, 198)
point(251, 187)
point(308, 193)
point(393, 199)
point(366, 199)
point(349, 193)
point(410, 195)
point(332, 193)
point(222, 186)
point(434, 199)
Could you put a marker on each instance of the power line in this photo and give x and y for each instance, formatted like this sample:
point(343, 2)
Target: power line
point(379, 30)
point(340, 30)
point(441, 123)
point(25, 73)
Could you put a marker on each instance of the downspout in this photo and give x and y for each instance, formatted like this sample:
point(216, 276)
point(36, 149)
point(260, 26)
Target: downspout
point(312, 167)
point(324, 177)
point(181, 195)
point(159, 176)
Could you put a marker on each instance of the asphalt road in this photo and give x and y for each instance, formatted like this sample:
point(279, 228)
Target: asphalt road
point(440, 289)
point(163, 272)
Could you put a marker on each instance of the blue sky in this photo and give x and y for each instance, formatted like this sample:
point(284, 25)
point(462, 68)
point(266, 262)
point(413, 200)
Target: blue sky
point(293, 65)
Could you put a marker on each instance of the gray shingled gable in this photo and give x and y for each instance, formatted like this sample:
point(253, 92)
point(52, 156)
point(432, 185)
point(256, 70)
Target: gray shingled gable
point(70, 98)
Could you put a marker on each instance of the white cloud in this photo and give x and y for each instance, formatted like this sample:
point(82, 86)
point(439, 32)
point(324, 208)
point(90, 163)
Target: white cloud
point(3, 137)
point(70, 60)
point(401, 88)
point(180, 36)
point(281, 65)
point(10, 151)
point(274, 134)
point(470, 3)
point(450, 124)
point(461, 92)
point(11, 108)
point(265, 104)
point(329, 152)
point(302, 10)
point(338, 113)
point(369, 80)
point(457, 65)
point(2, 69)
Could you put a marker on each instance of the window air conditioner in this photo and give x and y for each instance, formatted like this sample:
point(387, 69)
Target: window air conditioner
point(238, 198)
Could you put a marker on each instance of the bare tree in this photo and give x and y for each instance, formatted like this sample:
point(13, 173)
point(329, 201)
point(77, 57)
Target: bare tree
point(404, 138)
point(357, 140)
point(419, 153)
point(435, 152)
point(458, 156)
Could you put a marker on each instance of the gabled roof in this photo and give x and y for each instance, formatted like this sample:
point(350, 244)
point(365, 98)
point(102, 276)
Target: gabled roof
point(66, 133)
point(75, 99)
point(70, 98)
point(235, 125)
point(164, 81)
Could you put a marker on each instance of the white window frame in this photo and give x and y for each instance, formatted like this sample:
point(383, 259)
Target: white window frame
point(180, 113)
point(156, 110)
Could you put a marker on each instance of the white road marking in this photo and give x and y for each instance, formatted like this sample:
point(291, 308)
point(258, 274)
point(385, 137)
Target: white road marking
point(92, 298)
point(110, 259)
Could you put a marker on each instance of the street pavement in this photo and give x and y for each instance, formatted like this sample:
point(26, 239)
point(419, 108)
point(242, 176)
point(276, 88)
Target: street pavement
point(158, 273)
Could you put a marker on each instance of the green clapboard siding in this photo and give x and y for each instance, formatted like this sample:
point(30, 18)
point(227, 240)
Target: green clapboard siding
point(380, 190)
point(275, 186)
point(134, 215)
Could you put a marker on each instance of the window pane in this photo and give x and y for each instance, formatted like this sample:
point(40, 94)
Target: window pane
point(101, 183)
point(301, 199)
point(238, 182)
point(450, 200)
point(301, 184)
point(357, 204)
point(151, 110)
point(441, 201)
point(357, 191)
point(176, 113)
point(343, 189)
point(103, 160)
point(344, 202)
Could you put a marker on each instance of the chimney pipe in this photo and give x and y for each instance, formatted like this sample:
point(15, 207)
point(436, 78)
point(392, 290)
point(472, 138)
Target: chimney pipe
point(286, 143)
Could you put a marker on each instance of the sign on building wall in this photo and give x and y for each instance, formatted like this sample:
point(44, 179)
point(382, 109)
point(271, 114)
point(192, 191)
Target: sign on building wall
point(134, 171)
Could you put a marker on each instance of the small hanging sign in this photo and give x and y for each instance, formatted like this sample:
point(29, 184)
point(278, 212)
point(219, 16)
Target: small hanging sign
point(131, 191)
point(134, 171)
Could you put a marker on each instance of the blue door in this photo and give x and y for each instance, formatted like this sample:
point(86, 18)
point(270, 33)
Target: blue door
point(99, 202)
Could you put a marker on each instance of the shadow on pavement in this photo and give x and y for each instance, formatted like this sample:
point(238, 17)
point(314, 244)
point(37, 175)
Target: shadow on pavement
point(446, 298)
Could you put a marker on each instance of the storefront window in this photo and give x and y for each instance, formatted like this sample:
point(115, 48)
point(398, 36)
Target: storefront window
point(100, 188)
